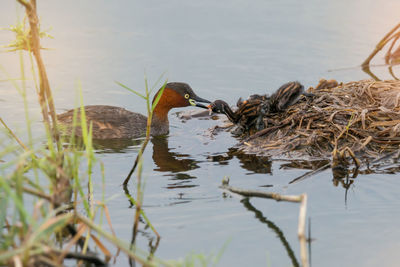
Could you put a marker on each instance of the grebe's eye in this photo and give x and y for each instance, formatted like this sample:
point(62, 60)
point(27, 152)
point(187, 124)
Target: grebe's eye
point(187, 96)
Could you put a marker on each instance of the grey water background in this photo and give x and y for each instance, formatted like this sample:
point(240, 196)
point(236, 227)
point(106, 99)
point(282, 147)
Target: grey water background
point(224, 50)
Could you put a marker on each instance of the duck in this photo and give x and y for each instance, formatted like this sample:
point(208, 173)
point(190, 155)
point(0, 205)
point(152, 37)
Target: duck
point(250, 112)
point(110, 122)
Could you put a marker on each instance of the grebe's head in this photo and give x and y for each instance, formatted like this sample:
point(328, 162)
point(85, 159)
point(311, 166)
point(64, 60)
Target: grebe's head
point(177, 94)
point(219, 106)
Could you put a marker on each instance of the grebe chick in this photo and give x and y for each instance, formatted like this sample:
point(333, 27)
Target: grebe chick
point(285, 96)
point(110, 122)
point(220, 106)
point(252, 111)
point(244, 117)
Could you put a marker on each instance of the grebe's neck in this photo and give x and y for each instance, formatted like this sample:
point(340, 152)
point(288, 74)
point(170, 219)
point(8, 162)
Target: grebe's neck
point(230, 114)
point(170, 99)
point(159, 121)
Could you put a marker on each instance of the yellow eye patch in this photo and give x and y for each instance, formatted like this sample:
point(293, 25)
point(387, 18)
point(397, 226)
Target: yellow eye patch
point(187, 96)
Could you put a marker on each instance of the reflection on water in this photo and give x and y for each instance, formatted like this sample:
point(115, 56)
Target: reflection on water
point(168, 161)
point(117, 145)
point(148, 234)
point(112, 146)
point(390, 70)
point(173, 163)
point(253, 163)
point(304, 164)
point(346, 182)
point(259, 215)
point(177, 165)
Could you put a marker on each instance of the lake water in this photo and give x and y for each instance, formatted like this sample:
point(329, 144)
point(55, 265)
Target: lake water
point(224, 50)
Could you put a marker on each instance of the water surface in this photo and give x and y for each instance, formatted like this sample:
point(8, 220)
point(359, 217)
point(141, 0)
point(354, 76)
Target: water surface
point(224, 50)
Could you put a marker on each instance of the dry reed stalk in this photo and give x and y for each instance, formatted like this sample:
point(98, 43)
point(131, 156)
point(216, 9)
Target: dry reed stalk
point(45, 95)
point(301, 232)
point(387, 38)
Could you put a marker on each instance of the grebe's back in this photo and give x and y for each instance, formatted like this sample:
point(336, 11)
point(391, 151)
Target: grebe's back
point(108, 122)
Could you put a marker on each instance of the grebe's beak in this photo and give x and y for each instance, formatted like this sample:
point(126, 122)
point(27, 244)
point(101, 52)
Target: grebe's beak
point(195, 99)
point(210, 111)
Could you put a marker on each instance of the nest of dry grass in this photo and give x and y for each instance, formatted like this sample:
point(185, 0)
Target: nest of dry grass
point(362, 118)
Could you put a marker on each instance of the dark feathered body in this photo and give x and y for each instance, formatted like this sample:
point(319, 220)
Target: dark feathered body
point(246, 114)
point(285, 96)
point(108, 122)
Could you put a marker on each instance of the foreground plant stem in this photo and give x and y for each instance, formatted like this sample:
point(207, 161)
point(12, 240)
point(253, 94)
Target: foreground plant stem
point(14, 136)
point(139, 163)
point(45, 95)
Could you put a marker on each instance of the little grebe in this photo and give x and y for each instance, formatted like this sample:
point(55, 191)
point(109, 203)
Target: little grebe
point(251, 111)
point(118, 123)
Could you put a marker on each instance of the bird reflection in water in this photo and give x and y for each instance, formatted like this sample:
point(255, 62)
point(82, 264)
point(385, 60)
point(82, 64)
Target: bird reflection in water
point(253, 163)
point(174, 163)
point(117, 145)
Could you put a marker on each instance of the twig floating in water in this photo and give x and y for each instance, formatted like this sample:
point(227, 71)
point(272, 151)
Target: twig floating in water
point(258, 193)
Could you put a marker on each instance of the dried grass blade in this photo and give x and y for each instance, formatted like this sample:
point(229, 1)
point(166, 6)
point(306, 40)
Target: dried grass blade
point(101, 246)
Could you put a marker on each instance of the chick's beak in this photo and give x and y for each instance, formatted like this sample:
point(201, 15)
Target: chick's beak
point(194, 102)
point(210, 111)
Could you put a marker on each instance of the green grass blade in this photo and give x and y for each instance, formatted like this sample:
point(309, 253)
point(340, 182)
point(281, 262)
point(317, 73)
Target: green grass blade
point(157, 82)
point(49, 227)
point(158, 97)
point(85, 137)
point(3, 208)
point(131, 90)
point(17, 201)
point(7, 255)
